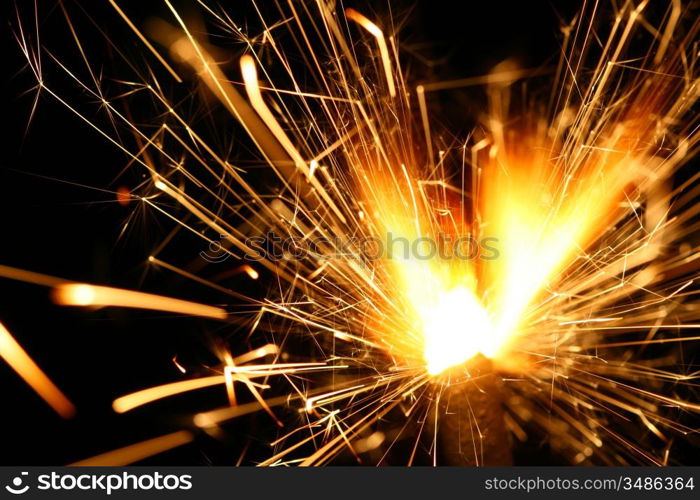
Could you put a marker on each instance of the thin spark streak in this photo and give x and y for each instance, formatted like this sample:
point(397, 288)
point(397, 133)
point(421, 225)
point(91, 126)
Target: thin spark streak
point(377, 33)
point(15, 356)
point(138, 451)
point(82, 294)
point(250, 78)
point(145, 41)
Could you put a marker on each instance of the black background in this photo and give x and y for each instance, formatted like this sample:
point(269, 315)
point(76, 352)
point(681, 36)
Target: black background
point(49, 225)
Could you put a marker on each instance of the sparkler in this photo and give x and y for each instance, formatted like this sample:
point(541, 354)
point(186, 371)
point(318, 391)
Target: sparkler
point(595, 255)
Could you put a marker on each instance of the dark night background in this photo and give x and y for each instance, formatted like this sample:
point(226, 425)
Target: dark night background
point(57, 228)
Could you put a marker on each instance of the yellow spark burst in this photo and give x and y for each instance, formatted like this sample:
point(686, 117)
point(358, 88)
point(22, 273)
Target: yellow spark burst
point(596, 256)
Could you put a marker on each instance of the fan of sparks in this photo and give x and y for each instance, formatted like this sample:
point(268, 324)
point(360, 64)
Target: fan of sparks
point(305, 126)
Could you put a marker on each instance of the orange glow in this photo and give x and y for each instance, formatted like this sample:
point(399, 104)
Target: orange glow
point(123, 196)
point(542, 194)
point(544, 218)
point(447, 323)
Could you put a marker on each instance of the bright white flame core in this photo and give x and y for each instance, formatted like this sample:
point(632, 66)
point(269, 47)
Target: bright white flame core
point(456, 328)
